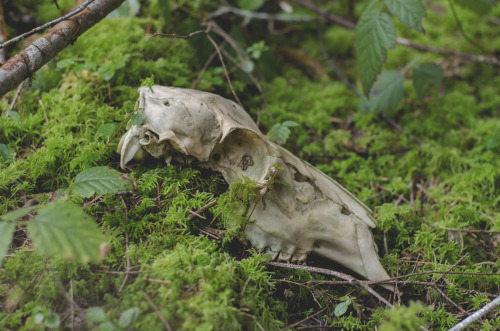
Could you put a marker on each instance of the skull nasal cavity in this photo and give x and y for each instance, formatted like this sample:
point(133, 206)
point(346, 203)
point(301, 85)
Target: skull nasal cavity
point(345, 211)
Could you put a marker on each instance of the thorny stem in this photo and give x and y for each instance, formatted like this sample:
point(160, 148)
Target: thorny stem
point(47, 25)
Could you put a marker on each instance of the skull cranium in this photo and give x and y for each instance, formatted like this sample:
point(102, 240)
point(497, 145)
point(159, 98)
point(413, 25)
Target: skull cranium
point(304, 210)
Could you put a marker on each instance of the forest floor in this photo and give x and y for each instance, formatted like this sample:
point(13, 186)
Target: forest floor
point(429, 169)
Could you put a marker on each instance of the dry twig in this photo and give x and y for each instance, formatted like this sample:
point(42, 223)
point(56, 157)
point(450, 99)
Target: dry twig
point(157, 311)
point(206, 33)
point(302, 321)
point(350, 280)
point(201, 210)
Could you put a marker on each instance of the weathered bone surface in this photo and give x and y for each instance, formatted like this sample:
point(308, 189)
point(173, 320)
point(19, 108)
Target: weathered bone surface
point(310, 213)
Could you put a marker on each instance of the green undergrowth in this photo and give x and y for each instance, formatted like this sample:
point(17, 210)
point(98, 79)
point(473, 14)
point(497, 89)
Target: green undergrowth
point(436, 202)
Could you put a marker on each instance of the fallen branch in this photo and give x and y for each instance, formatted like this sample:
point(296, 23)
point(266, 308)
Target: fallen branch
point(477, 315)
point(350, 280)
point(46, 25)
point(26, 63)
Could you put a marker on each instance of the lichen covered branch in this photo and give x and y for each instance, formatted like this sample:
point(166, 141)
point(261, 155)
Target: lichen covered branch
point(26, 63)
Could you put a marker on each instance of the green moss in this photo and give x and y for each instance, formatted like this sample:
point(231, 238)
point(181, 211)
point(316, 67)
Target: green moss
point(417, 191)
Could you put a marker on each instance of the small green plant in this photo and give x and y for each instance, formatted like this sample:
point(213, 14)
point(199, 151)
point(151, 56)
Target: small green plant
point(281, 131)
point(61, 228)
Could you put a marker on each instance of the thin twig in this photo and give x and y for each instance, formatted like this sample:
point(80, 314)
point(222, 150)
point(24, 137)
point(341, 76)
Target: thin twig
point(249, 15)
point(464, 230)
point(302, 321)
point(159, 281)
point(205, 66)
point(477, 315)
point(255, 320)
point(488, 217)
point(448, 299)
point(206, 32)
point(16, 96)
point(157, 311)
point(195, 214)
point(254, 81)
point(450, 268)
point(128, 264)
point(399, 128)
point(44, 111)
point(115, 272)
point(47, 25)
point(332, 64)
point(350, 279)
point(201, 210)
point(461, 29)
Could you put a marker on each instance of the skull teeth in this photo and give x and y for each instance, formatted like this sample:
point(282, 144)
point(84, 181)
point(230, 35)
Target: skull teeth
point(283, 256)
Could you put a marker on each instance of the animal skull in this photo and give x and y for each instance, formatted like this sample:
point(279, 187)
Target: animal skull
point(309, 213)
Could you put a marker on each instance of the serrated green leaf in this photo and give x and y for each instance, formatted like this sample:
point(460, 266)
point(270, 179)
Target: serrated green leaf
point(63, 229)
point(138, 119)
point(18, 213)
point(107, 129)
point(6, 234)
point(426, 77)
point(100, 180)
point(128, 317)
point(375, 35)
point(281, 130)
point(387, 92)
point(341, 308)
point(7, 154)
point(96, 314)
point(409, 12)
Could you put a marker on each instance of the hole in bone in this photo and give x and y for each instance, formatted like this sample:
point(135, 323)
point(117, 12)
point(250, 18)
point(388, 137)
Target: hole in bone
point(166, 103)
point(345, 211)
point(246, 161)
point(216, 157)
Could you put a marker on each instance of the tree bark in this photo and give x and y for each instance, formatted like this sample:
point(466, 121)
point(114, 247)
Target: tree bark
point(41, 51)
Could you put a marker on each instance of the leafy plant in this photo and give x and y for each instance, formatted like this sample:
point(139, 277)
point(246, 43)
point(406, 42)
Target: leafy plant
point(375, 36)
point(63, 229)
point(281, 131)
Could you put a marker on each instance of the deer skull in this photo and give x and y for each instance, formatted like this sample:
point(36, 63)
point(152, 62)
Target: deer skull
point(301, 211)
